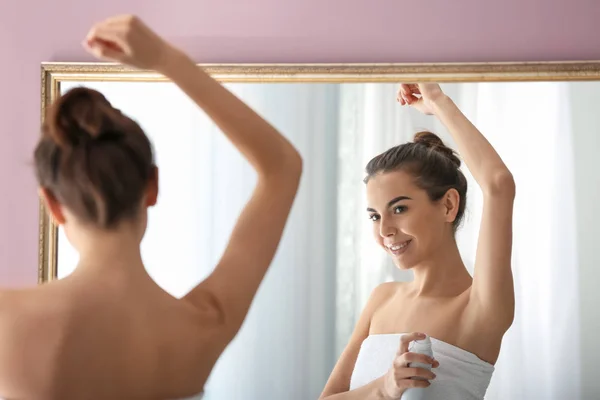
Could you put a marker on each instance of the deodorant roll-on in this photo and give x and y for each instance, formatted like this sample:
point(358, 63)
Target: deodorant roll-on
point(420, 347)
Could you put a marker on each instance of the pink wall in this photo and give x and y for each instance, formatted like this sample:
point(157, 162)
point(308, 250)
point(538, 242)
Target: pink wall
point(259, 31)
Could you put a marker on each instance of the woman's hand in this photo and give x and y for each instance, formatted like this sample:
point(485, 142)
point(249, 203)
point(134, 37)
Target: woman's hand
point(420, 96)
point(127, 40)
point(401, 377)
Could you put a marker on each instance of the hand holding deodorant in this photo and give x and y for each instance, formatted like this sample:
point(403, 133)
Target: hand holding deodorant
point(420, 347)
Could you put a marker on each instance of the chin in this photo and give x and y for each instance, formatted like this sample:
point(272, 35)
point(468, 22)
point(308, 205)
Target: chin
point(403, 265)
point(403, 262)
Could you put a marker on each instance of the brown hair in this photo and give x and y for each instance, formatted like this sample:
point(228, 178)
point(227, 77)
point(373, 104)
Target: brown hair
point(435, 166)
point(94, 160)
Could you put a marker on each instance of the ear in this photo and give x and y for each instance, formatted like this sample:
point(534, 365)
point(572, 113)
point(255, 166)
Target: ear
point(152, 190)
point(53, 206)
point(451, 202)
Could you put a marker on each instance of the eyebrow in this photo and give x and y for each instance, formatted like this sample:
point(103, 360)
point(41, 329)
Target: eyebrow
point(392, 202)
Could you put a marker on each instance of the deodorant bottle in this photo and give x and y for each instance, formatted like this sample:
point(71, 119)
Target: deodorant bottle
point(421, 347)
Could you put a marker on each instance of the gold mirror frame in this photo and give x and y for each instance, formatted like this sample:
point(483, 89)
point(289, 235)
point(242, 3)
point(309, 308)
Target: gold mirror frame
point(55, 73)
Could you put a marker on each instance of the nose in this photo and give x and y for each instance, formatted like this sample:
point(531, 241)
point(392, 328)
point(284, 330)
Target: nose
point(387, 229)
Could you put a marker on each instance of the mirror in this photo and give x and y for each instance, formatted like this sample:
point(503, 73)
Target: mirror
point(546, 131)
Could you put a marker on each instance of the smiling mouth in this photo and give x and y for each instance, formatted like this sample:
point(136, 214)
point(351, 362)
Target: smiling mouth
point(398, 248)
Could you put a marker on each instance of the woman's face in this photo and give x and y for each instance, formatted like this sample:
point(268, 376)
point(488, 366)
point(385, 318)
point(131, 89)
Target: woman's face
point(406, 223)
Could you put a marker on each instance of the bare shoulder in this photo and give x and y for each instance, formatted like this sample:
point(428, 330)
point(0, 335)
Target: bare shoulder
point(18, 308)
point(380, 296)
point(9, 364)
point(10, 306)
point(28, 310)
point(28, 329)
point(383, 295)
point(339, 380)
point(385, 291)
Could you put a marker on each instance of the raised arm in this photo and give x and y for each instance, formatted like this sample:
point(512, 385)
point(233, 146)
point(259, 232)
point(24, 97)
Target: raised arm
point(257, 233)
point(230, 289)
point(493, 288)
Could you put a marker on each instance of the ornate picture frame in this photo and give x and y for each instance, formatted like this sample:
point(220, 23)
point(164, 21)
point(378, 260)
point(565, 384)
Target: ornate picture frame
point(53, 74)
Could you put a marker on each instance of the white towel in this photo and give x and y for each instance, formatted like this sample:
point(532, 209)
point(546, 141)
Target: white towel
point(461, 374)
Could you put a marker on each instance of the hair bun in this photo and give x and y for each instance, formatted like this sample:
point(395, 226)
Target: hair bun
point(433, 141)
point(80, 116)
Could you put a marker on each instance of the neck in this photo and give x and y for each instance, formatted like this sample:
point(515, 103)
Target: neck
point(108, 252)
point(444, 274)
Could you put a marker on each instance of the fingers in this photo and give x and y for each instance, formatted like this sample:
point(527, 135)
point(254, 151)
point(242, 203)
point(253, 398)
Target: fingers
point(414, 383)
point(400, 96)
point(416, 358)
point(105, 41)
point(407, 94)
point(402, 360)
point(414, 373)
point(404, 371)
point(109, 37)
point(403, 94)
point(104, 50)
point(407, 338)
point(127, 40)
point(411, 98)
point(109, 32)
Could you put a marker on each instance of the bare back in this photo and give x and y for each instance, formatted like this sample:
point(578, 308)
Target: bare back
point(75, 339)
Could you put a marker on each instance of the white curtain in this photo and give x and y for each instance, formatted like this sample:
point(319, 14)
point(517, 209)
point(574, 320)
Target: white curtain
point(283, 351)
point(529, 125)
point(370, 122)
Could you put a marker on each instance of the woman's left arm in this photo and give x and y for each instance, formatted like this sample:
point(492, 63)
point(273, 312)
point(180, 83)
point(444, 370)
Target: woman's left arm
point(493, 287)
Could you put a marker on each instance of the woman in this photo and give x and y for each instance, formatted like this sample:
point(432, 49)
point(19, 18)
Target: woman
point(416, 198)
point(108, 331)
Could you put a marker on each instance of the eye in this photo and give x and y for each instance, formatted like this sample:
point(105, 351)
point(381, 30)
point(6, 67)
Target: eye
point(399, 209)
point(374, 217)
